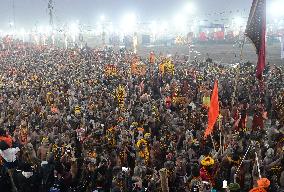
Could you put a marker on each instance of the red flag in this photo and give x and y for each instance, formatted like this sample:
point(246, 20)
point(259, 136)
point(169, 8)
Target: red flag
point(256, 31)
point(213, 111)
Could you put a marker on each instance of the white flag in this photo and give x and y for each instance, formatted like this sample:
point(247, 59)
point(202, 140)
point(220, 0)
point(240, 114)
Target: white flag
point(282, 47)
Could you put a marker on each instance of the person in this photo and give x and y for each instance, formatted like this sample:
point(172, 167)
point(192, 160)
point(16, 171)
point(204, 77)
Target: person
point(262, 185)
point(6, 140)
point(76, 134)
point(26, 179)
point(207, 171)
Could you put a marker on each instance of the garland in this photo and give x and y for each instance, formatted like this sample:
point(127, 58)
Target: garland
point(110, 136)
point(92, 155)
point(49, 98)
point(120, 94)
point(156, 113)
point(24, 135)
point(233, 161)
point(138, 69)
point(110, 70)
point(44, 140)
point(143, 153)
point(166, 67)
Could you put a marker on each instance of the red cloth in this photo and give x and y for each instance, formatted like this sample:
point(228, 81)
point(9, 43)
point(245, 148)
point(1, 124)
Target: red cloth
point(202, 36)
point(261, 57)
point(213, 111)
point(7, 139)
point(257, 122)
point(258, 119)
point(185, 88)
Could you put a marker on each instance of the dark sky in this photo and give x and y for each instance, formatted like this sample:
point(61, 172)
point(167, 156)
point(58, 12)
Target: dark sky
point(30, 12)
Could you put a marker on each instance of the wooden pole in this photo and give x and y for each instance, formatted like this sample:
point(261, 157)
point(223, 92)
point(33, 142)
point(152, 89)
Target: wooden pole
point(213, 142)
point(221, 146)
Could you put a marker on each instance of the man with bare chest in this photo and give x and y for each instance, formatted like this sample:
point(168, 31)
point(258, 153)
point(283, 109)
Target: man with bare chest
point(43, 150)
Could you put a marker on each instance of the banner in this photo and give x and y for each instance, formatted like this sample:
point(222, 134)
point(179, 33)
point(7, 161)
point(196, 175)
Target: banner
point(256, 30)
point(120, 94)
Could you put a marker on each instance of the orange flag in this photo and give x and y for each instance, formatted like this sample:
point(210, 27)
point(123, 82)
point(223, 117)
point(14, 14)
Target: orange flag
point(213, 111)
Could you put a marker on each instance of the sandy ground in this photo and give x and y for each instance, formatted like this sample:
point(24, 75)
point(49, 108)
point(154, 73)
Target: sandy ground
point(223, 53)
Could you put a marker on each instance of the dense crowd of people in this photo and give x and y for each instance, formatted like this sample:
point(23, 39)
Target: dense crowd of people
point(86, 120)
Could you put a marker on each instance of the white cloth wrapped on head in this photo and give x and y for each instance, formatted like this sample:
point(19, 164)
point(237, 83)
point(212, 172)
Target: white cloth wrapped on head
point(9, 154)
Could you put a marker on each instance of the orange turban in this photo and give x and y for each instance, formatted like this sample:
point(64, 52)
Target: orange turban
point(263, 182)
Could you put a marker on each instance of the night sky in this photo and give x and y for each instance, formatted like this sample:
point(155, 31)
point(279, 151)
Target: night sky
point(30, 12)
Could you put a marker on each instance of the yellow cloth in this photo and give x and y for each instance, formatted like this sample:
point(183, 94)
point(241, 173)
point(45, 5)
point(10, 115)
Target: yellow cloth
point(162, 68)
point(140, 142)
point(147, 135)
point(207, 161)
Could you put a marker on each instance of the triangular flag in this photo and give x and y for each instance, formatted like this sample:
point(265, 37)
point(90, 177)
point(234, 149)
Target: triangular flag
point(213, 111)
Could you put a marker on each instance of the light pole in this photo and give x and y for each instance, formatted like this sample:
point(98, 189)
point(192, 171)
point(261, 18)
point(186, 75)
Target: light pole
point(103, 34)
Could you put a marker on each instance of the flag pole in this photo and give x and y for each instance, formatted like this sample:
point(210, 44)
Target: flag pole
point(221, 146)
point(257, 164)
point(214, 147)
point(242, 48)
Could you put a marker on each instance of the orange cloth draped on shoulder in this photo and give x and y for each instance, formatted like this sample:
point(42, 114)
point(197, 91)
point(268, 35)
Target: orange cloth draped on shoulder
point(133, 68)
point(213, 111)
point(162, 68)
point(257, 189)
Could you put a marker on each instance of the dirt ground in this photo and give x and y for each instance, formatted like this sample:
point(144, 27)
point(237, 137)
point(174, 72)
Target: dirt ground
point(223, 53)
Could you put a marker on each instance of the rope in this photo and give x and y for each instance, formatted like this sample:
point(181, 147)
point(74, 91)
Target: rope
point(238, 169)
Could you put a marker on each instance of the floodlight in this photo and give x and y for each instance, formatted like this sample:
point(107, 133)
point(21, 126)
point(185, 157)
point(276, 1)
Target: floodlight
point(128, 22)
point(190, 8)
point(40, 29)
point(129, 19)
point(22, 31)
point(179, 21)
point(102, 17)
point(74, 29)
point(153, 27)
point(238, 21)
point(276, 8)
point(164, 25)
